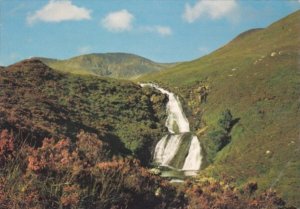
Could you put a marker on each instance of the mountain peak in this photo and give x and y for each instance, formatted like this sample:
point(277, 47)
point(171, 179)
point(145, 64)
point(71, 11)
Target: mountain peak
point(32, 67)
point(28, 62)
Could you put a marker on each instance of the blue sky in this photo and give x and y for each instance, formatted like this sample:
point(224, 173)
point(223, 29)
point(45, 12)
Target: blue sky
point(161, 30)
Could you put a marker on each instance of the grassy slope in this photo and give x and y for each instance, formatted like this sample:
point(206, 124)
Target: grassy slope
point(40, 102)
point(263, 93)
point(116, 65)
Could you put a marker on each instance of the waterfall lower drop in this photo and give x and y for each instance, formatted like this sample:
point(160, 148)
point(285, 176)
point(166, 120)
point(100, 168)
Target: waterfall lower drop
point(175, 150)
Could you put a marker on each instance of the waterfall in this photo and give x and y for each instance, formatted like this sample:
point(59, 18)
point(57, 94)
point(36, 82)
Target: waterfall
point(168, 149)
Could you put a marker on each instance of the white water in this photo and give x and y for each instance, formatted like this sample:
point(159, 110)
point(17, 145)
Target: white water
point(160, 149)
point(168, 146)
point(194, 157)
point(176, 116)
point(170, 150)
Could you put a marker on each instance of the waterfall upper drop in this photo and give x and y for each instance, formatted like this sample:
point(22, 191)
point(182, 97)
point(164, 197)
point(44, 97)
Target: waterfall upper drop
point(179, 149)
point(176, 117)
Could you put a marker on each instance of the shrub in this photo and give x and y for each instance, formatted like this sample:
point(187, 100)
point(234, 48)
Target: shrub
point(219, 137)
point(6, 147)
point(225, 122)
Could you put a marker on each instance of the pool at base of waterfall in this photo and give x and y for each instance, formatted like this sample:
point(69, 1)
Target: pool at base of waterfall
point(172, 174)
point(176, 174)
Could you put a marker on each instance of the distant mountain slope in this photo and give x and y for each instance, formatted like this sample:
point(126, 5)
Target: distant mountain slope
point(116, 65)
point(38, 102)
point(256, 76)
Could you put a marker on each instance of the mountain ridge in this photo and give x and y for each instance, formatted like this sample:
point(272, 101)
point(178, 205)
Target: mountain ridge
point(116, 65)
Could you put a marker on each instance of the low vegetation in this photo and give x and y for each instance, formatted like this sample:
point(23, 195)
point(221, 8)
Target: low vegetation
point(78, 173)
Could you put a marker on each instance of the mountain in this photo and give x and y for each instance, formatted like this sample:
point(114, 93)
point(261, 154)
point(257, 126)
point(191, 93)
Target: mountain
point(255, 78)
point(116, 65)
point(37, 102)
point(70, 141)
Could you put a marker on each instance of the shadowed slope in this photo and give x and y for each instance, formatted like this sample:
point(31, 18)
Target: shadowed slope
point(38, 102)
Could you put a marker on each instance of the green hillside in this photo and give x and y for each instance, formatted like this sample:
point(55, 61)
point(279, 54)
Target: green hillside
point(256, 77)
point(38, 102)
point(70, 141)
point(116, 65)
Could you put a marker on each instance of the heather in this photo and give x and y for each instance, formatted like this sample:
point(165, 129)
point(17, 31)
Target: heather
point(79, 174)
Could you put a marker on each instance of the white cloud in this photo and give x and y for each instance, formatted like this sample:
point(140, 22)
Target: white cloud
point(164, 30)
point(215, 9)
point(84, 49)
point(57, 11)
point(161, 30)
point(118, 21)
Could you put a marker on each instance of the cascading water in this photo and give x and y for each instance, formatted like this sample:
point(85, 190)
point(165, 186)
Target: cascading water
point(194, 157)
point(172, 150)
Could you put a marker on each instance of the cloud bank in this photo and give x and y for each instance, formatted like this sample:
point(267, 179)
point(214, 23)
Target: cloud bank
point(118, 21)
point(214, 9)
point(58, 11)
